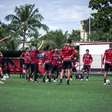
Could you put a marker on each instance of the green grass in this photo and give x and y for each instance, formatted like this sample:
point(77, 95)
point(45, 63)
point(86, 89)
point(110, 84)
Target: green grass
point(18, 95)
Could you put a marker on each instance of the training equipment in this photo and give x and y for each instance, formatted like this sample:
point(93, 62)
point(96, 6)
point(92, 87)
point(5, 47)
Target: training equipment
point(108, 82)
point(1, 82)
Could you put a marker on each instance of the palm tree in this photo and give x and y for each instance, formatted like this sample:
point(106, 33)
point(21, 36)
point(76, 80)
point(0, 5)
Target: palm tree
point(26, 21)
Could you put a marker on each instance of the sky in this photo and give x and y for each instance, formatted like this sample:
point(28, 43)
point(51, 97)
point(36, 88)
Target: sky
point(58, 14)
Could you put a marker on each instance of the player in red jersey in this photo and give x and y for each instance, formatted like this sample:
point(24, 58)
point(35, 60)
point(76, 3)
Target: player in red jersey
point(107, 60)
point(67, 53)
point(33, 55)
point(1, 59)
point(48, 64)
point(27, 62)
point(87, 61)
point(1, 69)
point(40, 64)
point(55, 60)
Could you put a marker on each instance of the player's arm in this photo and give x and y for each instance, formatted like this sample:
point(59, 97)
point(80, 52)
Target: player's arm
point(103, 59)
point(83, 58)
point(74, 53)
point(61, 54)
point(91, 58)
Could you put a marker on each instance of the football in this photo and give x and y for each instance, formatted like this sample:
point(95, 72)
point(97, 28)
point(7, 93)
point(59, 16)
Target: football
point(108, 81)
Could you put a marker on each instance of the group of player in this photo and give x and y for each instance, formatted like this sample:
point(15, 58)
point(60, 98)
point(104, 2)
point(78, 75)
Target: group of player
point(58, 64)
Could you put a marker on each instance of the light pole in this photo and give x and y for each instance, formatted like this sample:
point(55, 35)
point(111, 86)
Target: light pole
point(89, 26)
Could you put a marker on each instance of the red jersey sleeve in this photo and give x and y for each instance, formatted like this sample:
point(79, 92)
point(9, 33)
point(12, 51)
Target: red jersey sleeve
point(87, 59)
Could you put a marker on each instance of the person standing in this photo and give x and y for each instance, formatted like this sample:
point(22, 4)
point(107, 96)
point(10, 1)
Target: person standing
point(48, 64)
point(107, 61)
point(1, 69)
point(27, 63)
point(55, 59)
point(34, 71)
point(87, 61)
point(67, 53)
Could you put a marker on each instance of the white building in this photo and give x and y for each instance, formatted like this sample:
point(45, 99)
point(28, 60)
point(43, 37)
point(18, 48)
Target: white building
point(96, 49)
point(83, 32)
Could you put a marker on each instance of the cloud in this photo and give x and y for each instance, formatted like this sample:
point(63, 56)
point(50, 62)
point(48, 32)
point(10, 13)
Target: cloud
point(64, 15)
point(1, 6)
point(58, 14)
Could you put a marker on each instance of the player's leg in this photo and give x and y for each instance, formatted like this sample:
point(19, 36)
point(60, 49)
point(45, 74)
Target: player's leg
point(50, 71)
point(68, 76)
point(83, 72)
point(47, 72)
point(61, 75)
point(49, 76)
point(55, 73)
point(88, 71)
point(27, 71)
point(69, 69)
point(105, 77)
point(36, 73)
point(106, 72)
point(62, 71)
point(44, 77)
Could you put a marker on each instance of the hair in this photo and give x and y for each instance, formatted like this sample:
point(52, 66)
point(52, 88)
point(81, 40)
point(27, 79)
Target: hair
point(87, 50)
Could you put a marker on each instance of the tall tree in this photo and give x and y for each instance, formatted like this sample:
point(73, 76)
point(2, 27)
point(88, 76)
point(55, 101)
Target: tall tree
point(26, 22)
point(102, 14)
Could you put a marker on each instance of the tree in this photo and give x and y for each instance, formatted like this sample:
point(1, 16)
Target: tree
point(100, 36)
point(75, 35)
point(9, 42)
point(102, 15)
point(26, 22)
point(55, 39)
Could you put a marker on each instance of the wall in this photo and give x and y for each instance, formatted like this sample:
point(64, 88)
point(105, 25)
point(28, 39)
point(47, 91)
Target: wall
point(97, 52)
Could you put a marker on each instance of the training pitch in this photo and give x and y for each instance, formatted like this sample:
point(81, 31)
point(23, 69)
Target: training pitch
point(19, 95)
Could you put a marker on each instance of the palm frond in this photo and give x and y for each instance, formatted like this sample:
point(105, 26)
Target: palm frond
point(11, 17)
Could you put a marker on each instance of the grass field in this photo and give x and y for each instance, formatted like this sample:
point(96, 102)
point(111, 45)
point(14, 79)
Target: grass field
point(18, 95)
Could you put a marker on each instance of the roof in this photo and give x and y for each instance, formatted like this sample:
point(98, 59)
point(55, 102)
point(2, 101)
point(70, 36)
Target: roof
point(90, 43)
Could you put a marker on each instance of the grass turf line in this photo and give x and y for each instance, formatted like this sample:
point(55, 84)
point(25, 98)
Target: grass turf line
point(18, 95)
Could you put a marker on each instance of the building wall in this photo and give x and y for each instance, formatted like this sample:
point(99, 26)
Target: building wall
point(97, 52)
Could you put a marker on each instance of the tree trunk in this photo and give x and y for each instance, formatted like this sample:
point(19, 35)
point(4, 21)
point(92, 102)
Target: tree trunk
point(24, 40)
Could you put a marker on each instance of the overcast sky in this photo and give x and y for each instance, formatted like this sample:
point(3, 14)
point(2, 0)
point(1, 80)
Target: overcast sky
point(58, 14)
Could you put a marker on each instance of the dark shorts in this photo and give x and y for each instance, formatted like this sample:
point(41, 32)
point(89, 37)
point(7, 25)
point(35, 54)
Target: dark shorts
point(67, 64)
point(33, 67)
point(74, 69)
point(27, 66)
point(55, 69)
point(108, 67)
point(86, 68)
point(48, 67)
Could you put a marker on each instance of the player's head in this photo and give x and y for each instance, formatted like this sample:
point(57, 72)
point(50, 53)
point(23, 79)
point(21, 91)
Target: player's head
point(87, 51)
point(56, 50)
